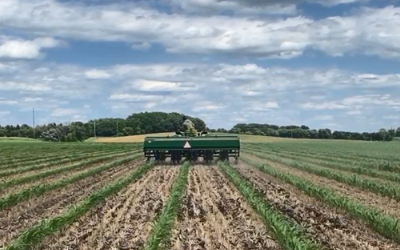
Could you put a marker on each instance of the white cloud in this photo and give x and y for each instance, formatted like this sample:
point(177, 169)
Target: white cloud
point(222, 94)
point(368, 31)
point(25, 49)
point(97, 74)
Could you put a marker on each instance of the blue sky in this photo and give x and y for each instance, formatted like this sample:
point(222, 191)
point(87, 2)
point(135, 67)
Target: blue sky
point(323, 63)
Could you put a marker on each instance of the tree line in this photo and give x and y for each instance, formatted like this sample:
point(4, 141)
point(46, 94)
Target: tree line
point(157, 122)
point(134, 124)
point(303, 131)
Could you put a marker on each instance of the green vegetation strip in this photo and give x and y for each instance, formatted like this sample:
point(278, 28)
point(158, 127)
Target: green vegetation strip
point(54, 163)
point(46, 227)
point(39, 164)
point(38, 190)
point(55, 171)
point(384, 189)
point(162, 229)
point(288, 233)
point(378, 171)
point(382, 223)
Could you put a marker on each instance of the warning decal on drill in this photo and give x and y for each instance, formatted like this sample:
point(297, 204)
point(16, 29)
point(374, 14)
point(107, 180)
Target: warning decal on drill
point(187, 145)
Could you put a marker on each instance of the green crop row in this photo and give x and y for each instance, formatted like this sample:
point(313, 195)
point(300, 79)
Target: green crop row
point(333, 164)
point(45, 228)
point(384, 189)
point(71, 154)
point(382, 223)
point(59, 170)
point(288, 233)
point(38, 190)
point(332, 161)
point(57, 163)
point(162, 228)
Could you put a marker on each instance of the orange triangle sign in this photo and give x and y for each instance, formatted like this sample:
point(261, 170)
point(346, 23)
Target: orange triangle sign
point(187, 145)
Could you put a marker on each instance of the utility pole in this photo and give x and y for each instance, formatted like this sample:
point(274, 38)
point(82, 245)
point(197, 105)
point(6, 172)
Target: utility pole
point(117, 128)
point(94, 128)
point(33, 123)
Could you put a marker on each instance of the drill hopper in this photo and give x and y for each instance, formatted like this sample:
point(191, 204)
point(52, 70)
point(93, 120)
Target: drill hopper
point(191, 145)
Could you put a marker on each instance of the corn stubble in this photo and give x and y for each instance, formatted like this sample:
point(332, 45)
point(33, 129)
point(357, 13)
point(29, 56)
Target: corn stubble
point(123, 203)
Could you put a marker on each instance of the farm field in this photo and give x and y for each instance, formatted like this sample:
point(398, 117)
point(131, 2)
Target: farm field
point(289, 194)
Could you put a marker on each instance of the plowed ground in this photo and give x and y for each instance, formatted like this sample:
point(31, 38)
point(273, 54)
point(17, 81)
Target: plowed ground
point(23, 215)
point(215, 216)
point(124, 221)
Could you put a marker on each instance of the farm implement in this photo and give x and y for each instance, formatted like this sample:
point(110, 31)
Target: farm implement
point(191, 145)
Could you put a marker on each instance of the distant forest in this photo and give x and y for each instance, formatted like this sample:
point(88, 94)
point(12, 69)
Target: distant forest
point(156, 122)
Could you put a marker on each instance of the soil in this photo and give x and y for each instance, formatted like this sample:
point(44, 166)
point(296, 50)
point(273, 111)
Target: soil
point(332, 229)
point(370, 199)
point(25, 214)
point(124, 221)
point(215, 216)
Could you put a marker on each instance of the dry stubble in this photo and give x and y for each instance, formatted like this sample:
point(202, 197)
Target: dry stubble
point(124, 221)
point(335, 231)
point(215, 216)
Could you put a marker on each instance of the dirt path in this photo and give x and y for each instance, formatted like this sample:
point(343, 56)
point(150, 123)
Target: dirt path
point(124, 221)
point(25, 214)
point(371, 199)
point(333, 230)
point(215, 216)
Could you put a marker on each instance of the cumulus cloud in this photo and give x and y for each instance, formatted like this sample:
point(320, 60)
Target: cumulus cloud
point(25, 49)
point(368, 31)
point(222, 94)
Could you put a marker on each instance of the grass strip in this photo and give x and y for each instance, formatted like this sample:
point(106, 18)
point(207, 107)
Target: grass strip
point(55, 171)
point(38, 190)
point(288, 233)
point(384, 189)
point(44, 228)
point(377, 220)
point(162, 228)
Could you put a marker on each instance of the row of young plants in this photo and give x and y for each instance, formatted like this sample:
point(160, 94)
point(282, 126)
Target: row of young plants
point(20, 153)
point(384, 189)
point(332, 160)
point(58, 170)
point(47, 227)
point(38, 190)
point(335, 164)
point(161, 230)
point(60, 161)
point(66, 156)
point(377, 220)
point(286, 231)
point(350, 151)
point(382, 163)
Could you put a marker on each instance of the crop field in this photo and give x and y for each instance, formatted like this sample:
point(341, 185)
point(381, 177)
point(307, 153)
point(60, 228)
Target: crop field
point(290, 194)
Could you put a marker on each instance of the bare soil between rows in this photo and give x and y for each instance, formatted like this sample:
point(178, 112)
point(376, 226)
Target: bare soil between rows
point(391, 206)
point(214, 215)
point(332, 229)
point(25, 214)
point(124, 221)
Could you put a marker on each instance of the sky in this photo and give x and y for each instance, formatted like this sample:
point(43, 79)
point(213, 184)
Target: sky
point(322, 63)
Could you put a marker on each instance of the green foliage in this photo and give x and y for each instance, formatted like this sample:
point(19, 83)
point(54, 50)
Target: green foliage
point(305, 132)
point(135, 124)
